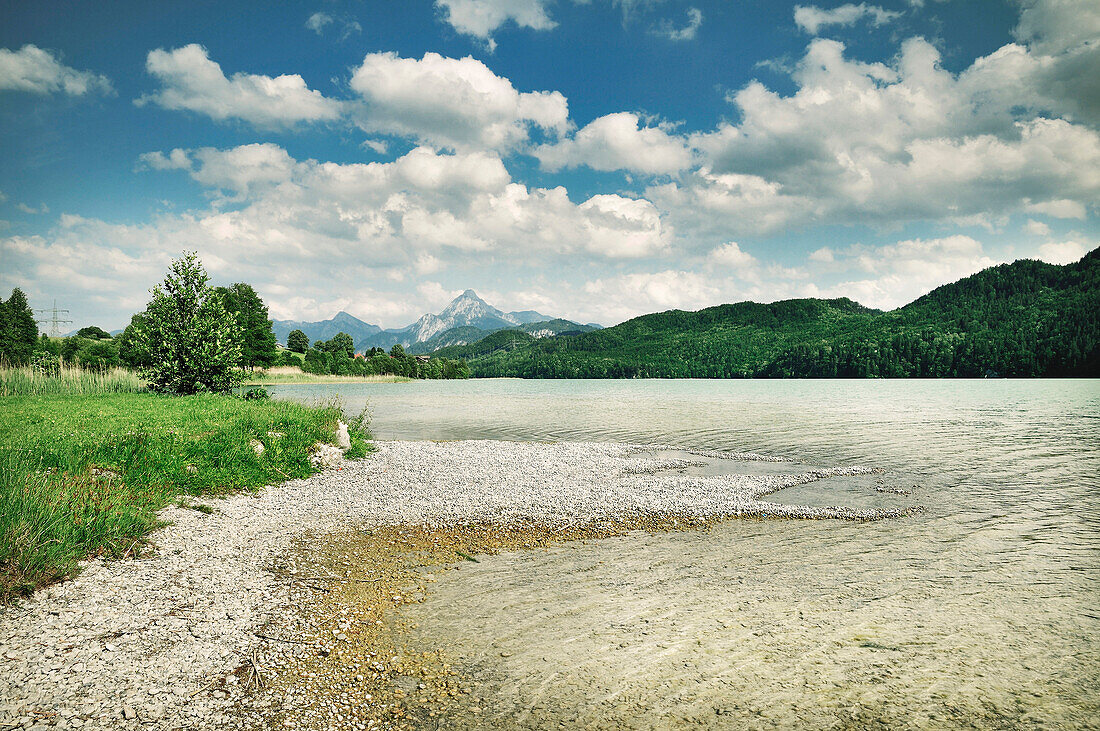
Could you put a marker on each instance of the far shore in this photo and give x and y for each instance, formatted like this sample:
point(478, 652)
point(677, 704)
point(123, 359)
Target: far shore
point(293, 375)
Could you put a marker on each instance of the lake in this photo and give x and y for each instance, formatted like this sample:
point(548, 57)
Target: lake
point(982, 609)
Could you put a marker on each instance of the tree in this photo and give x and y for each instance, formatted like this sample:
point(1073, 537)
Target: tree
point(93, 332)
point(341, 343)
point(257, 338)
point(193, 343)
point(297, 341)
point(18, 330)
point(131, 349)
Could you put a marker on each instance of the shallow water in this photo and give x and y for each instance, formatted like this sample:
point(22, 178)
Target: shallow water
point(982, 609)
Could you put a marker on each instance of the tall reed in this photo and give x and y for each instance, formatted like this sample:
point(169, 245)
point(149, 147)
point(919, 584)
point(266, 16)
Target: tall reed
point(68, 380)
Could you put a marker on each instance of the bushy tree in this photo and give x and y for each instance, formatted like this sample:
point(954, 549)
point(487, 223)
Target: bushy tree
point(131, 350)
point(297, 341)
point(341, 343)
point(96, 333)
point(257, 338)
point(98, 355)
point(193, 343)
point(18, 330)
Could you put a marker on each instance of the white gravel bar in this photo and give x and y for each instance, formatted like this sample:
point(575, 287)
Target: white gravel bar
point(133, 643)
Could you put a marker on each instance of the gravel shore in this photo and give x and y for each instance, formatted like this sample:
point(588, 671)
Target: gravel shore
point(155, 642)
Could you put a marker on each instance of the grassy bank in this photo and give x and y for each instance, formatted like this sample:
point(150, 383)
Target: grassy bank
point(84, 473)
point(290, 374)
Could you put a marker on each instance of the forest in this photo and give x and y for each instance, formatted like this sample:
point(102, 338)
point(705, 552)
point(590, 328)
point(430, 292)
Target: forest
point(1025, 319)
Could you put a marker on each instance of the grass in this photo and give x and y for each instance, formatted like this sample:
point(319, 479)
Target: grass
point(70, 380)
point(291, 374)
point(84, 474)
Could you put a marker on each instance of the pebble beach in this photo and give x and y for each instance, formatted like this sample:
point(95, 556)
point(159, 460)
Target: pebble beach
point(282, 609)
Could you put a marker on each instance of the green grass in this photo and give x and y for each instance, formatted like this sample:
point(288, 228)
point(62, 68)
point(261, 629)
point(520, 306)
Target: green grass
point(85, 474)
point(70, 380)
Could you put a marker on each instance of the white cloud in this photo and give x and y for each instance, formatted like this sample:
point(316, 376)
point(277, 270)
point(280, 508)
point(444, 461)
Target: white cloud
point(190, 80)
point(1064, 252)
point(618, 142)
point(617, 298)
point(824, 255)
point(38, 71)
point(811, 18)
point(683, 33)
point(896, 274)
point(305, 230)
point(730, 255)
point(887, 144)
point(449, 102)
point(319, 21)
point(1037, 228)
point(479, 18)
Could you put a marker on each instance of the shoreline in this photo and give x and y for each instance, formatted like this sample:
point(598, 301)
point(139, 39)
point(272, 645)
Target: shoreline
point(169, 640)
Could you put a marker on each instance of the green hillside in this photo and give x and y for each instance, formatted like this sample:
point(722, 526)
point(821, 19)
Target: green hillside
point(1022, 320)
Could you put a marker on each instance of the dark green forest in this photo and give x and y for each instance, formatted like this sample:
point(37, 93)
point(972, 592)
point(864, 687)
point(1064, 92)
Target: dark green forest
point(1026, 319)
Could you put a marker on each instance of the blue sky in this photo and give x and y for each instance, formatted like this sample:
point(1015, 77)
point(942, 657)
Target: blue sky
point(595, 160)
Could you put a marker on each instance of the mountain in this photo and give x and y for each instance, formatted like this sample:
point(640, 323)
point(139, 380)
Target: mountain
point(462, 335)
point(1024, 319)
point(325, 329)
point(465, 311)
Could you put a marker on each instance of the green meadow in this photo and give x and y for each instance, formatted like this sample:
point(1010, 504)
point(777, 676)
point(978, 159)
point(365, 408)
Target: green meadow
point(87, 460)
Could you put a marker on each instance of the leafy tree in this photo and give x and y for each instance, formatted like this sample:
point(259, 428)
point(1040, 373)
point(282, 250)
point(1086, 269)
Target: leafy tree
point(46, 344)
point(96, 333)
point(341, 343)
point(98, 355)
point(397, 351)
point(18, 330)
point(131, 351)
point(297, 341)
point(257, 338)
point(192, 341)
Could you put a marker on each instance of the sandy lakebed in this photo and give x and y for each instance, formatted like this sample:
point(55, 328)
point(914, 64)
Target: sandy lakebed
point(293, 608)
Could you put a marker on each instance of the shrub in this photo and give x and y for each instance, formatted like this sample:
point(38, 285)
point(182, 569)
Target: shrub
point(192, 341)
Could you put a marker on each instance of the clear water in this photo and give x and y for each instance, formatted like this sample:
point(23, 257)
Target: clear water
point(985, 609)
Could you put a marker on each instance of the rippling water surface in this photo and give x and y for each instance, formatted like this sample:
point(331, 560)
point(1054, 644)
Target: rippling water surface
point(984, 609)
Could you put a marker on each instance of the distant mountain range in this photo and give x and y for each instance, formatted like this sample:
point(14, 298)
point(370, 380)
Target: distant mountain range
point(1024, 319)
point(466, 319)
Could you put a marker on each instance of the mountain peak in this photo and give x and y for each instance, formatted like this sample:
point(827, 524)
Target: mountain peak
point(469, 294)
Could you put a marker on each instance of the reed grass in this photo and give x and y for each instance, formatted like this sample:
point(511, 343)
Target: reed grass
point(68, 380)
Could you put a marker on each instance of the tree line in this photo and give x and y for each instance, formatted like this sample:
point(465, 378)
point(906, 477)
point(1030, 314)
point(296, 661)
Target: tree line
point(193, 337)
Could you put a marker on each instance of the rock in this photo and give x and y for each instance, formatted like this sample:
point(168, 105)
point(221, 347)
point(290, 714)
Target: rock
point(325, 456)
point(257, 446)
point(343, 441)
point(128, 713)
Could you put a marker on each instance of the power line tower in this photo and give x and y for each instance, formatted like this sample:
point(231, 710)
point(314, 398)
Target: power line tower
point(52, 317)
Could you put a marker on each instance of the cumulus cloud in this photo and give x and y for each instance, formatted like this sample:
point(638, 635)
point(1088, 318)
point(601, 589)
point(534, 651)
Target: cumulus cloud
point(191, 81)
point(896, 274)
point(731, 256)
point(479, 18)
point(1036, 228)
point(811, 18)
point(618, 142)
point(889, 143)
point(38, 71)
point(1063, 252)
point(450, 102)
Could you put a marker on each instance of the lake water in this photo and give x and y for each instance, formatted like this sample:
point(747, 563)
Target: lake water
point(984, 609)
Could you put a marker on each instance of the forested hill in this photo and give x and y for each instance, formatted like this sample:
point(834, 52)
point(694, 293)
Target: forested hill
point(1022, 320)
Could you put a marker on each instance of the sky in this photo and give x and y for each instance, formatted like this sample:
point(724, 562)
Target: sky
point(589, 159)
